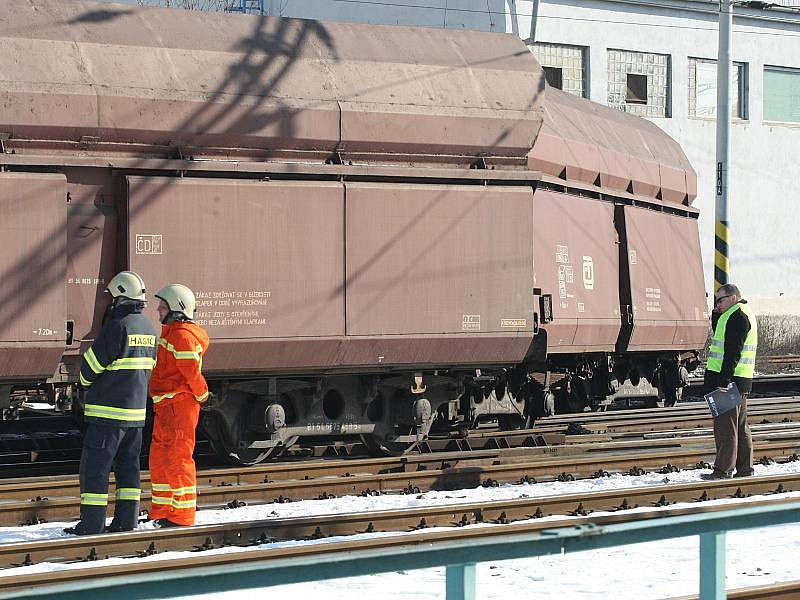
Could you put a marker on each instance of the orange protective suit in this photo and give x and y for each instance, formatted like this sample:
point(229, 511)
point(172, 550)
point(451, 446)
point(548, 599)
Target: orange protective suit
point(177, 387)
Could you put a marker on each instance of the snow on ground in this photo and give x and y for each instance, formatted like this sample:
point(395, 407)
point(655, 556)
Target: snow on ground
point(653, 570)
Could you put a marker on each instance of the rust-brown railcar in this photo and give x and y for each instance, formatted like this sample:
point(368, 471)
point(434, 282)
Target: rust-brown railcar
point(390, 231)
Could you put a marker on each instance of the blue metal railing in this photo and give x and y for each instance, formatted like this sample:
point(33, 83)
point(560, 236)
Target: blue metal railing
point(252, 7)
point(459, 558)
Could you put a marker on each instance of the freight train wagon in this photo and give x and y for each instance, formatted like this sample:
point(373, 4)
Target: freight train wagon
point(391, 232)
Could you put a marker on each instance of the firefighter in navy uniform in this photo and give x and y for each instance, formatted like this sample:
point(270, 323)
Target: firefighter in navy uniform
point(115, 372)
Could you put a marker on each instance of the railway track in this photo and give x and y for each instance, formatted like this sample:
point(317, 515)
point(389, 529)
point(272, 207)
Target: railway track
point(696, 415)
point(789, 590)
point(34, 501)
point(576, 509)
point(604, 426)
point(765, 385)
point(24, 450)
point(688, 407)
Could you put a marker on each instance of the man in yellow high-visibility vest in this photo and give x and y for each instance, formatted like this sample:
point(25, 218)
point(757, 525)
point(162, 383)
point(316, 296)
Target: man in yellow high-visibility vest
point(732, 361)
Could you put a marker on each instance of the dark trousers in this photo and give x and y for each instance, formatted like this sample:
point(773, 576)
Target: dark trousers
point(734, 442)
point(105, 446)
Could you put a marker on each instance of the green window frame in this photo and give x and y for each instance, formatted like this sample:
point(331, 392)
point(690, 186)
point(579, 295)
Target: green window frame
point(781, 94)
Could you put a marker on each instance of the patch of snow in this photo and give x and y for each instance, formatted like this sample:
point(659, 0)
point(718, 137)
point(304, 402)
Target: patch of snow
point(643, 571)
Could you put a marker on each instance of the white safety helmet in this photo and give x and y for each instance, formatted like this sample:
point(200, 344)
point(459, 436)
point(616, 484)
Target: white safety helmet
point(127, 284)
point(179, 299)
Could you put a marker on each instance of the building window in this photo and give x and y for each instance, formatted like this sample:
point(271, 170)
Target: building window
point(781, 94)
point(564, 66)
point(554, 76)
point(703, 89)
point(637, 89)
point(639, 83)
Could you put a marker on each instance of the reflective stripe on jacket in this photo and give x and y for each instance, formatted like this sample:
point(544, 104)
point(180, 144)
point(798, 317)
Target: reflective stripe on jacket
point(115, 370)
point(746, 365)
point(179, 363)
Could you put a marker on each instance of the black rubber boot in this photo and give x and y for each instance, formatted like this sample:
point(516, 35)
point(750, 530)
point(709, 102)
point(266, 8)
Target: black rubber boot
point(93, 521)
point(165, 523)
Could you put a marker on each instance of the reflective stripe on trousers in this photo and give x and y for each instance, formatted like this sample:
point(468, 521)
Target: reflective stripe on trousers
point(91, 499)
point(128, 494)
point(164, 495)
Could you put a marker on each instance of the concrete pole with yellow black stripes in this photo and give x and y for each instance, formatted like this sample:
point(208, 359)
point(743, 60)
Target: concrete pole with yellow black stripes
point(722, 236)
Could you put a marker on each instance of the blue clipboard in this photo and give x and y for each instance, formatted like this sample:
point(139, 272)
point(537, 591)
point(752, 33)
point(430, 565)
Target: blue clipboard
point(720, 402)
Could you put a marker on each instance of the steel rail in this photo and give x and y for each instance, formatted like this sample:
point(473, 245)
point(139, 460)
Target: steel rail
point(254, 533)
point(682, 408)
point(676, 422)
point(509, 468)
point(646, 420)
point(542, 434)
point(27, 489)
point(779, 591)
point(789, 590)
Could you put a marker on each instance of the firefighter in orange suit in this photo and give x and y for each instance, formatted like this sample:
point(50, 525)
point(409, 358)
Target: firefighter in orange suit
point(177, 387)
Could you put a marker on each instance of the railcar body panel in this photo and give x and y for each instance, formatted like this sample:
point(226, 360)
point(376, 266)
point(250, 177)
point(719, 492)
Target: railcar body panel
point(693, 324)
point(33, 261)
point(435, 275)
point(441, 274)
point(577, 261)
point(438, 259)
point(433, 351)
point(265, 259)
point(668, 300)
point(92, 237)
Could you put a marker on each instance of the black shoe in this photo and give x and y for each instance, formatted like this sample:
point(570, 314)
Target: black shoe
point(714, 475)
point(165, 523)
point(750, 474)
point(78, 530)
point(114, 528)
